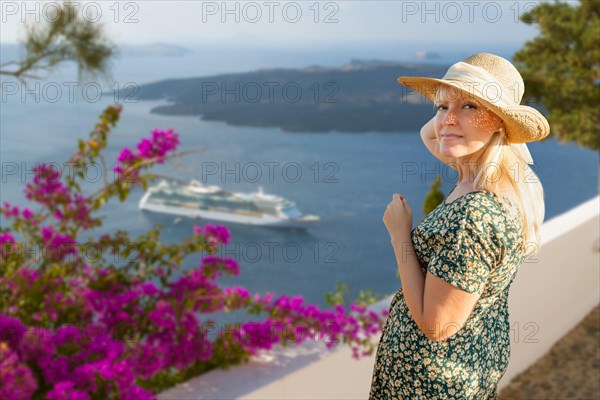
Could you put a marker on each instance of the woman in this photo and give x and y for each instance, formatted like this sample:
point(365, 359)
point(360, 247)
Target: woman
point(447, 333)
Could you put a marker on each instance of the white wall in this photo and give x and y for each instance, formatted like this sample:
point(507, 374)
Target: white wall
point(557, 288)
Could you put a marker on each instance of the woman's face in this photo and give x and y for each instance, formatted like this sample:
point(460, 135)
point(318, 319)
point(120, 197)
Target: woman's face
point(462, 125)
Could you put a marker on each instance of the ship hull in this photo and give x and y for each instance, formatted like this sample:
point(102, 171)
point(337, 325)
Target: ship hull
point(262, 219)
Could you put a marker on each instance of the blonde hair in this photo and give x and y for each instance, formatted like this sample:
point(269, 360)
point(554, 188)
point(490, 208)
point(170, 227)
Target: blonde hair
point(501, 171)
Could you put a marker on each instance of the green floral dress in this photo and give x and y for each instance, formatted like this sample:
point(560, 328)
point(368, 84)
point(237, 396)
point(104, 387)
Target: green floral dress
point(474, 243)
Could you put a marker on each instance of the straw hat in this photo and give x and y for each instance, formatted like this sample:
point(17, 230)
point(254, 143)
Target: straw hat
point(496, 83)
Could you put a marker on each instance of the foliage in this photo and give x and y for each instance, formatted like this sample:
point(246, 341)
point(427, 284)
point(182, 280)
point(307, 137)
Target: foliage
point(434, 197)
point(75, 328)
point(561, 68)
point(67, 37)
point(337, 296)
point(341, 296)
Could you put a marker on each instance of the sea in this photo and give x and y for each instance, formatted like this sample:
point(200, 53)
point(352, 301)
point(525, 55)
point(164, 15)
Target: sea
point(346, 178)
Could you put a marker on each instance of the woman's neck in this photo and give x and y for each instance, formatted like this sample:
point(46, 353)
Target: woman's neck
point(466, 175)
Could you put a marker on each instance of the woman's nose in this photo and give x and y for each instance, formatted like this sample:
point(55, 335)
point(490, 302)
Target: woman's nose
point(449, 118)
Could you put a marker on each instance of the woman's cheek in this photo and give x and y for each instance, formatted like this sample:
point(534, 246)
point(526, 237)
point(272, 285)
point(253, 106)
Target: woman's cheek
point(485, 122)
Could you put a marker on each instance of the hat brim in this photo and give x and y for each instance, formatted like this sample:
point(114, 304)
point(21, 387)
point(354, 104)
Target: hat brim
point(521, 123)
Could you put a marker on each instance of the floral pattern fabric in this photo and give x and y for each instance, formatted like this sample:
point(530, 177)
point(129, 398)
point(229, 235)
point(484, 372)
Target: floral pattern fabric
point(473, 243)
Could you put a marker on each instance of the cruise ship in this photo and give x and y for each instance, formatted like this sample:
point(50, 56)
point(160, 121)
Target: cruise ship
point(210, 202)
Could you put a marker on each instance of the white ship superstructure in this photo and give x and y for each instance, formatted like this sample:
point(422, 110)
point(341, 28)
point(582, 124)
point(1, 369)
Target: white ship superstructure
point(197, 200)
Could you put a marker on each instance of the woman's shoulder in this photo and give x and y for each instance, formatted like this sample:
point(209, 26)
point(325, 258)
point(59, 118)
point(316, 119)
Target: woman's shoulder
point(481, 217)
point(485, 210)
point(477, 202)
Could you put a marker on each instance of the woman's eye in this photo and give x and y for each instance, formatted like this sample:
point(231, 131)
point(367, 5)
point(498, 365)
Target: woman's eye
point(440, 107)
point(470, 105)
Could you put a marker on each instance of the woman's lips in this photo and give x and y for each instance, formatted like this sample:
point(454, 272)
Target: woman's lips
point(450, 137)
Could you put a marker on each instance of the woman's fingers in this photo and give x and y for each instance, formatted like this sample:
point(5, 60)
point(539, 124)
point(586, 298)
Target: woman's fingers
point(398, 197)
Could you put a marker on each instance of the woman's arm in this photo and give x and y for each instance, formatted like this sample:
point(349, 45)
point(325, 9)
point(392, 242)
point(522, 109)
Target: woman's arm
point(438, 308)
point(433, 145)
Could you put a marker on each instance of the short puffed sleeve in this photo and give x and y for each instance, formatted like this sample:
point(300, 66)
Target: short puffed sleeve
point(467, 250)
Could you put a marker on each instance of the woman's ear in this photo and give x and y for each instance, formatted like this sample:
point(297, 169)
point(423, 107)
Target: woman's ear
point(501, 126)
point(502, 129)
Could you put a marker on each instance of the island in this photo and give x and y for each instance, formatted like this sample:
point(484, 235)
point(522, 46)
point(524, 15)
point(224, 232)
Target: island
point(362, 96)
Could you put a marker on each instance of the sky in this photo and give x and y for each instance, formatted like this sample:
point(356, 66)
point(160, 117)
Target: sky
point(288, 23)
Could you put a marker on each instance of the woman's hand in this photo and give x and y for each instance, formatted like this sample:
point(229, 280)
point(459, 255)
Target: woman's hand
point(398, 218)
